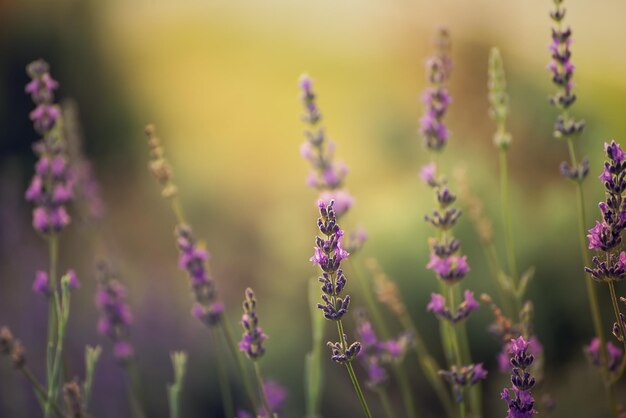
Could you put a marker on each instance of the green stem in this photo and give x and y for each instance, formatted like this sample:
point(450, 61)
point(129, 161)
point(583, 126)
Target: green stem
point(230, 342)
point(616, 311)
point(222, 375)
point(381, 326)
point(506, 217)
point(384, 400)
point(355, 382)
point(52, 310)
point(455, 345)
point(40, 392)
point(259, 380)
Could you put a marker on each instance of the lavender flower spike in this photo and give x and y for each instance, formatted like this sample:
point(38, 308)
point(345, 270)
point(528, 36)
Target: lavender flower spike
point(436, 98)
point(51, 187)
point(522, 404)
point(208, 308)
point(253, 336)
point(462, 377)
point(437, 306)
point(115, 317)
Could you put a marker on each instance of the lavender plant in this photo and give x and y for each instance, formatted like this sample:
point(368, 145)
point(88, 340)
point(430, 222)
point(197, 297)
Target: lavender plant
point(449, 266)
point(328, 255)
point(179, 363)
point(569, 128)
point(609, 266)
point(522, 404)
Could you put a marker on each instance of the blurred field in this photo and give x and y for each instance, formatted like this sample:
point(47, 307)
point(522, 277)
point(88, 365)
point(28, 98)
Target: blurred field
point(219, 79)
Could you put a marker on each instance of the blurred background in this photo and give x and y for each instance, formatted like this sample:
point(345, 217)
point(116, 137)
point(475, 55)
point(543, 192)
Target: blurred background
point(219, 79)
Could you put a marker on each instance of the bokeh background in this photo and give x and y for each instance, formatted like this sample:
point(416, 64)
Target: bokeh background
point(219, 78)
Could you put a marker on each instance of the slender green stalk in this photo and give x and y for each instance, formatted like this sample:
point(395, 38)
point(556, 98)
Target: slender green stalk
point(62, 308)
point(384, 400)
point(259, 379)
point(383, 329)
point(313, 360)
point(40, 391)
point(506, 217)
point(222, 375)
point(179, 363)
point(355, 382)
point(53, 254)
point(92, 355)
point(454, 342)
point(228, 336)
point(616, 311)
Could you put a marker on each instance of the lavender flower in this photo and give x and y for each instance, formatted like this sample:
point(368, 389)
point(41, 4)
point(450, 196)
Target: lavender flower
point(115, 314)
point(327, 175)
point(328, 255)
point(522, 404)
point(159, 166)
point(52, 185)
point(462, 377)
point(193, 259)
point(606, 234)
point(593, 354)
point(276, 395)
point(437, 306)
point(436, 98)
point(253, 336)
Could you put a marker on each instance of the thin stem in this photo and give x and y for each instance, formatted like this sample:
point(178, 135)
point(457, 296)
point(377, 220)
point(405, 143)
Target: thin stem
point(455, 346)
point(177, 207)
point(381, 327)
point(134, 391)
point(506, 217)
point(40, 391)
point(355, 382)
point(230, 342)
point(52, 310)
point(259, 379)
point(616, 311)
point(222, 375)
point(384, 400)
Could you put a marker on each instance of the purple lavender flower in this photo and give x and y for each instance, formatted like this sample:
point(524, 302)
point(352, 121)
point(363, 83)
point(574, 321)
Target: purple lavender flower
point(115, 314)
point(606, 235)
point(42, 284)
point(276, 395)
point(449, 269)
point(253, 336)
point(52, 185)
point(436, 97)
point(461, 377)
point(193, 259)
point(593, 354)
point(437, 305)
point(522, 404)
point(328, 255)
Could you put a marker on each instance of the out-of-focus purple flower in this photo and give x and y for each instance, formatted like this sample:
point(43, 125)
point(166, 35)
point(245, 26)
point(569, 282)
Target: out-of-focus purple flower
point(275, 394)
point(73, 280)
point(115, 315)
point(42, 284)
point(437, 305)
point(207, 307)
point(593, 354)
point(355, 240)
point(343, 200)
point(436, 97)
point(461, 377)
point(449, 269)
point(51, 186)
point(253, 336)
point(428, 174)
point(522, 404)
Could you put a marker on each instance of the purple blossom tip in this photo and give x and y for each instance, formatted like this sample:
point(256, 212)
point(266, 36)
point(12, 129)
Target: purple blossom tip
point(470, 303)
point(437, 303)
point(428, 173)
point(123, 351)
point(305, 82)
point(72, 280)
point(42, 284)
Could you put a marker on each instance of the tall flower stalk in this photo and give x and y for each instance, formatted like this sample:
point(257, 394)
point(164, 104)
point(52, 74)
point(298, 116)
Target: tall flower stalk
point(193, 259)
point(569, 128)
point(522, 403)
point(446, 261)
point(327, 176)
point(328, 255)
point(50, 190)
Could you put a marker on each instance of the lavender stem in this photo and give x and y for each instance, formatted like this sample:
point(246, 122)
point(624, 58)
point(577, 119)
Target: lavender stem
point(40, 391)
point(228, 336)
point(384, 400)
point(222, 376)
point(355, 382)
point(259, 378)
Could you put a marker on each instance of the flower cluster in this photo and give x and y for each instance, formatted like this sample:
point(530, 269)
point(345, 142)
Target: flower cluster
point(159, 166)
point(498, 98)
point(437, 306)
point(613, 352)
point(11, 347)
point(328, 255)
point(193, 259)
point(51, 187)
point(115, 315)
point(606, 235)
point(275, 394)
point(445, 259)
point(253, 336)
point(461, 377)
point(375, 353)
point(522, 405)
point(42, 282)
point(436, 98)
